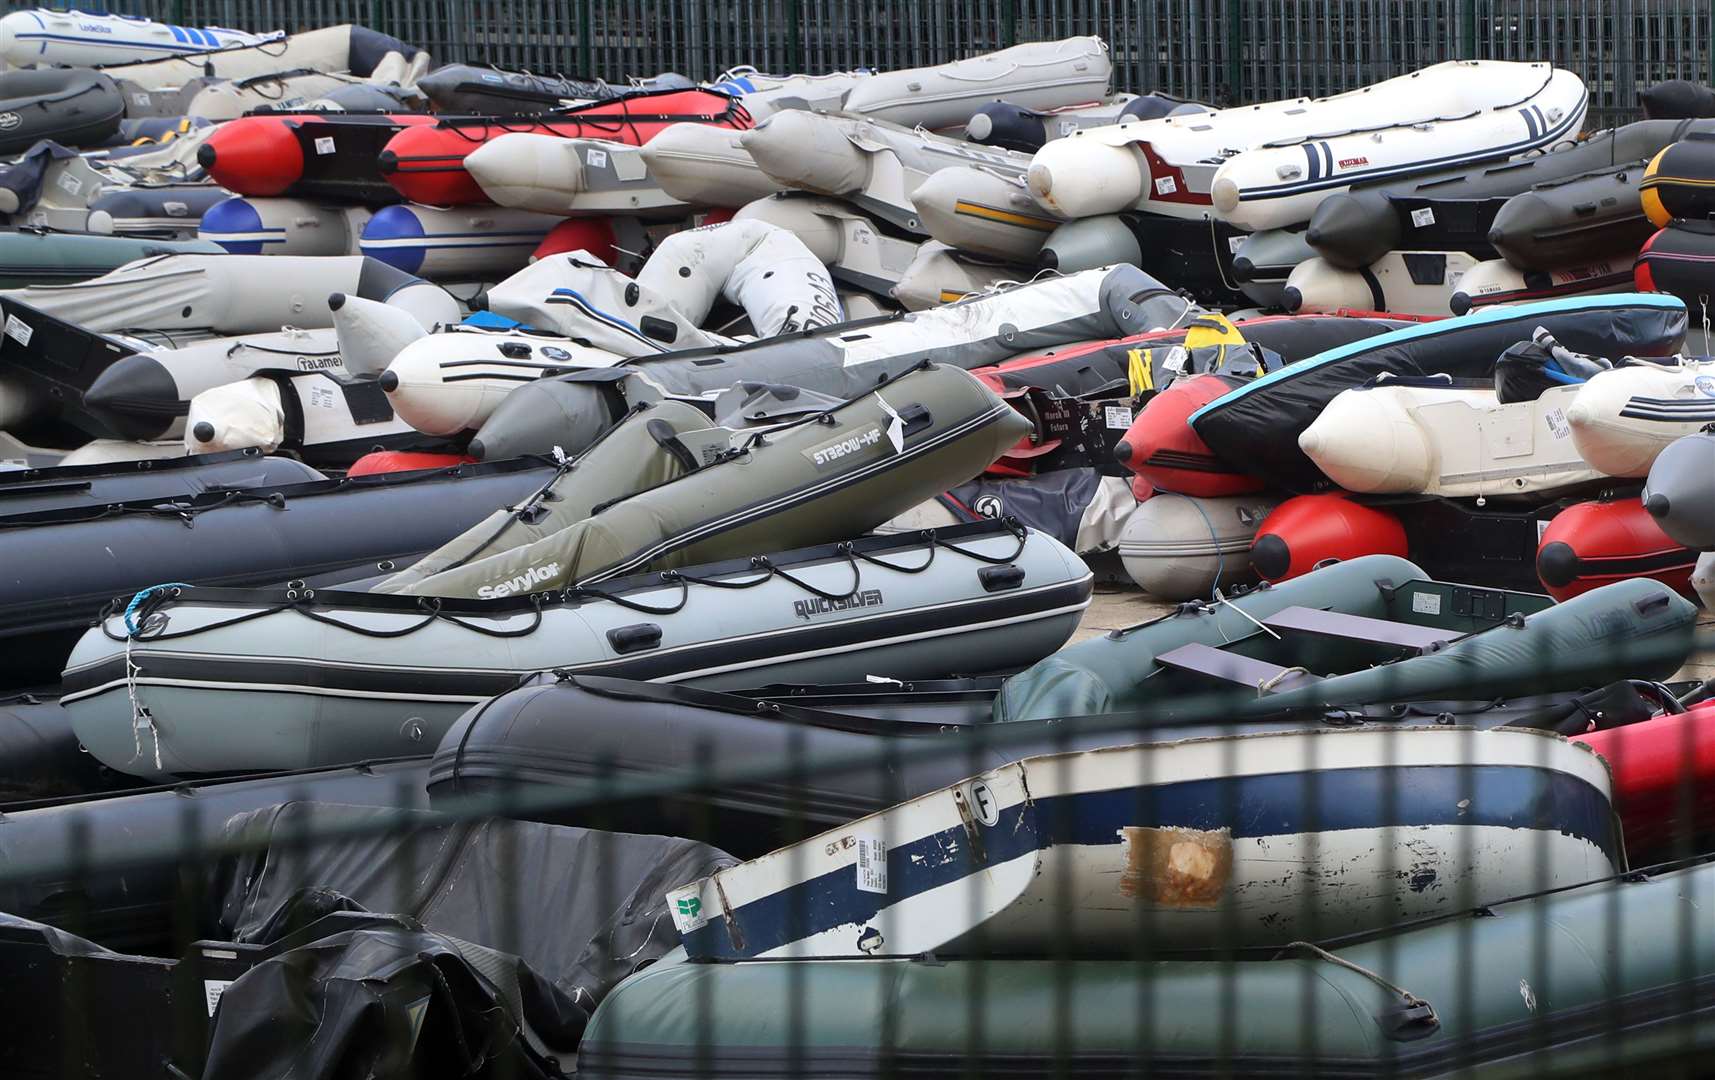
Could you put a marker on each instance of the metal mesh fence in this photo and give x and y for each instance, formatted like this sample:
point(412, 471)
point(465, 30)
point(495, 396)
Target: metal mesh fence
point(1223, 51)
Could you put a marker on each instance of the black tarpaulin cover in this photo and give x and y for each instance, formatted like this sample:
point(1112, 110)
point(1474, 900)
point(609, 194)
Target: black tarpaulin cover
point(581, 907)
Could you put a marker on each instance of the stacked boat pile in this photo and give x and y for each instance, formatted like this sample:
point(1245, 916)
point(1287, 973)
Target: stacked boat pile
point(454, 464)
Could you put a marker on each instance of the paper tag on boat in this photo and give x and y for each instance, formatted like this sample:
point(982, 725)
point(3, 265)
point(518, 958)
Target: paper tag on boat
point(597, 158)
point(896, 426)
point(1425, 603)
point(1117, 417)
point(324, 145)
point(1166, 185)
point(686, 906)
point(211, 991)
point(1557, 424)
point(871, 865)
point(1423, 218)
point(19, 330)
point(1541, 528)
point(140, 100)
point(1234, 243)
point(70, 183)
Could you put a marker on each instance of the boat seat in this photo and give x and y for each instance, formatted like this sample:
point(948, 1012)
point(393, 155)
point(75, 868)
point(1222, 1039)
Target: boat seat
point(1233, 668)
point(1338, 624)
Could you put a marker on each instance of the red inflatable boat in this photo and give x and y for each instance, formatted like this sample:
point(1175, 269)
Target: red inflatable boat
point(1596, 543)
point(1161, 448)
point(392, 461)
point(306, 155)
point(425, 163)
point(1664, 779)
point(1307, 530)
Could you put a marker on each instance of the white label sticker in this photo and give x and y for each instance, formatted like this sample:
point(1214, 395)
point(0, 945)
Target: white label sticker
point(19, 330)
point(1453, 279)
point(70, 183)
point(1541, 527)
point(322, 397)
point(324, 145)
point(1557, 423)
point(140, 99)
point(1424, 603)
point(177, 209)
point(1166, 185)
point(211, 991)
point(895, 426)
point(596, 158)
point(1234, 243)
point(1117, 417)
point(1423, 218)
point(686, 907)
point(871, 865)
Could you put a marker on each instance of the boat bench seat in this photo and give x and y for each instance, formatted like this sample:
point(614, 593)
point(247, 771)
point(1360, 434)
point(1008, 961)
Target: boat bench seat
point(1233, 668)
point(1338, 624)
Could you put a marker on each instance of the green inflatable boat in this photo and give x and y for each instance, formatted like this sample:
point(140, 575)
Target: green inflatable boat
point(50, 258)
point(1609, 977)
point(1361, 632)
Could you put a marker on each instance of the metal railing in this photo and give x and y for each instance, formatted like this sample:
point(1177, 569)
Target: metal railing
point(1223, 51)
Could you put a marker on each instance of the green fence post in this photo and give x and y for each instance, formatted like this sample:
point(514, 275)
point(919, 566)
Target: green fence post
point(794, 33)
point(1009, 24)
point(1235, 58)
point(1468, 29)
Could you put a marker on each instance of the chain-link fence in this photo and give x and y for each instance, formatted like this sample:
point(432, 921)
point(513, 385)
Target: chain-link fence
point(1223, 51)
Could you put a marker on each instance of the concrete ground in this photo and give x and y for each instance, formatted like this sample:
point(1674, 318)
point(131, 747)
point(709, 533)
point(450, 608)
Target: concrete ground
point(1113, 607)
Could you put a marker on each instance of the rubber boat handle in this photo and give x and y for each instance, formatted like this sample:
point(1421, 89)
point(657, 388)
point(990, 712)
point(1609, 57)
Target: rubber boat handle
point(634, 638)
point(1001, 578)
point(668, 439)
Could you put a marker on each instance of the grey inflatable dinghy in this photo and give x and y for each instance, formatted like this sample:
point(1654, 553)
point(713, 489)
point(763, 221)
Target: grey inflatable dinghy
point(255, 679)
point(1680, 494)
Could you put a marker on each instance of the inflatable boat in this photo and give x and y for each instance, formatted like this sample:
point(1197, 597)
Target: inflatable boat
point(569, 177)
point(73, 107)
point(831, 475)
point(1621, 419)
point(263, 226)
point(702, 165)
point(1255, 428)
point(1676, 182)
point(846, 359)
point(1307, 532)
point(44, 258)
point(1455, 209)
point(857, 248)
point(881, 167)
point(1433, 436)
point(1677, 259)
point(454, 243)
point(79, 39)
point(1661, 767)
point(1039, 75)
point(938, 274)
point(43, 490)
point(1449, 647)
point(468, 90)
point(425, 163)
point(1677, 99)
point(324, 419)
point(296, 90)
point(1056, 847)
point(1594, 543)
point(985, 211)
point(1165, 453)
point(998, 599)
point(1468, 991)
point(1572, 221)
point(1453, 113)
point(1263, 261)
point(311, 155)
point(1678, 492)
point(1012, 126)
point(356, 50)
point(1180, 548)
point(1497, 281)
point(1399, 283)
point(1197, 256)
point(72, 562)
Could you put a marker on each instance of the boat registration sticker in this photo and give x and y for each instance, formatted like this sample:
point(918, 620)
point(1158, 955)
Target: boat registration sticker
point(324, 145)
point(1426, 603)
point(1557, 423)
point(211, 991)
point(686, 906)
point(19, 330)
point(1423, 218)
point(140, 100)
point(597, 158)
point(1117, 417)
point(71, 184)
point(1166, 185)
point(871, 865)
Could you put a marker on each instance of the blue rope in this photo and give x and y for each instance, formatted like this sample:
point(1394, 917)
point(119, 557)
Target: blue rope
point(131, 626)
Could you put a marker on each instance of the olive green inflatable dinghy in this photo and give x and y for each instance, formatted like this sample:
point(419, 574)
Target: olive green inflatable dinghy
point(1602, 979)
point(1270, 648)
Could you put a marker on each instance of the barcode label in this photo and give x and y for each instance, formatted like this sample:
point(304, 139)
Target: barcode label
point(871, 865)
point(324, 145)
point(1423, 218)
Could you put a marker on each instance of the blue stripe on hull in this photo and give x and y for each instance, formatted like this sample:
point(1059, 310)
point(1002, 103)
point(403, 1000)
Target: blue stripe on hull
point(1274, 804)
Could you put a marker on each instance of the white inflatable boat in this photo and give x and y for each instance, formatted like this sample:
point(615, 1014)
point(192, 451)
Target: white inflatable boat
point(984, 211)
point(706, 165)
point(1431, 437)
point(1496, 281)
point(455, 243)
point(46, 38)
point(1278, 160)
point(1622, 419)
point(570, 177)
point(856, 248)
point(442, 384)
point(281, 226)
point(1400, 282)
point(1177, 547)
